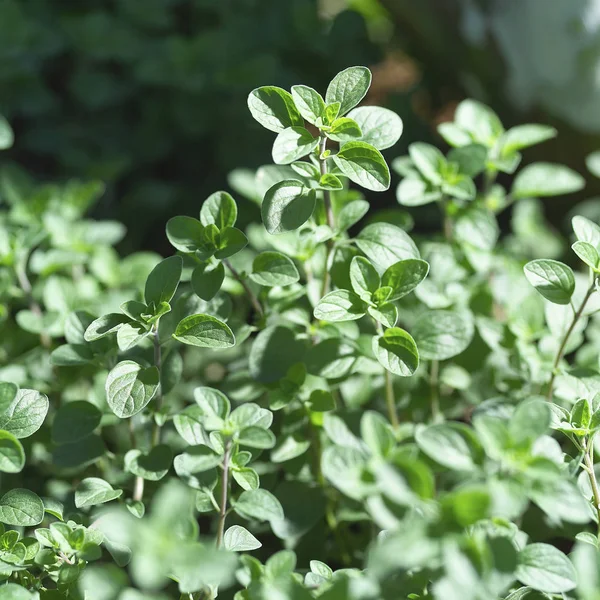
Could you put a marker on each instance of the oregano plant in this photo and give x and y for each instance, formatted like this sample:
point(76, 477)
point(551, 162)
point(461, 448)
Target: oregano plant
point(324, 404)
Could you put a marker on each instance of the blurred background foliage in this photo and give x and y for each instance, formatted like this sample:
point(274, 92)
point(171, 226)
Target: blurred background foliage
point(149, 96)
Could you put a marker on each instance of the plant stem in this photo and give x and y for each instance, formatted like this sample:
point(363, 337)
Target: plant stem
point(390, 400)
point(159, 398)
point(561, 348)
point(435, 392)
point(253, 299)
point(328, 216)
point(588, 459)
point(138, 488)
point(224, 493)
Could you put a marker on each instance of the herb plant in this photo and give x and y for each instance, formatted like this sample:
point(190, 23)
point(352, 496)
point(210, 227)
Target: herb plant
point(318, 406)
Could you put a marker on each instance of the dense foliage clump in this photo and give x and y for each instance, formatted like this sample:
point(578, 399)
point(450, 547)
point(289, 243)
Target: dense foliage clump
point(318, 406)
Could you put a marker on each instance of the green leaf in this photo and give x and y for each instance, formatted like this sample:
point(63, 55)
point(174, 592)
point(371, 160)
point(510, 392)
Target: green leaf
point(343, 130)
point(546, 569)
point(385, 244)
point(287, 205)
point(380, 127)
point(588, 254)
point(273, 268)
point(219, 209)
point(292, 144)
point(442, 334)
point(290, 448)
point(329, 181)
point(470, 159)
point(188, 424)
point(204, 331)
point(477, 227)
point(396, 351)
point(258, 504)
point(309, 102)
point(592, 162)
point(446, 444)
point(207, 280)
point(7, 136)
point(12, 591)
point(74, 421)
point(348, 88)
point(231, 241)
point(351, 213)
point(152, 466)
point(340, 305)
point(546, 179)
point(386, 313)
point(454, 135)
point(274, 108)
point(267, 363)
point(239, 539)
point(480, 121)
point(8, 393)
point(586, 231)
point(404, 276)
point(363, 164)
point(163, 281)
point(554, 280)
point(104, 326)
point(530, 421)
point(12, 455)
point(76, 454)
point(256, 437)
point(185, 233)
point(376, 433)
point(364, 278)
point(331, 112)
point(214, 403)
point(93, 490)
point(246, 478)
point(26, 413)
point(129, 388)
point(524, 136)
point(196, 459)
point(21, 507)
point(429, 161)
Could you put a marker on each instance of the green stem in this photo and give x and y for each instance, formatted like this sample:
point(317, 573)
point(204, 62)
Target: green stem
point(224, 493)
point(561, 348)
point(328, 216)
point(588, 459)
point(390, 398)
point(138, 488)
point(159, 397)
point(251, 295)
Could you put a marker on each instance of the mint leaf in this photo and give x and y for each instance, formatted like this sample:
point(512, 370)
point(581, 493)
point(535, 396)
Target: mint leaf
point(379, 126)
point(287, 206)
point(274, 108)
point(340, 305)
point(292, 144)
point(554, 280)
point(273, 268)
point(348, 88)
point(129, 388)
point(204, 331)
point(396, 351)
point(309, 102)
point(363, 164)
